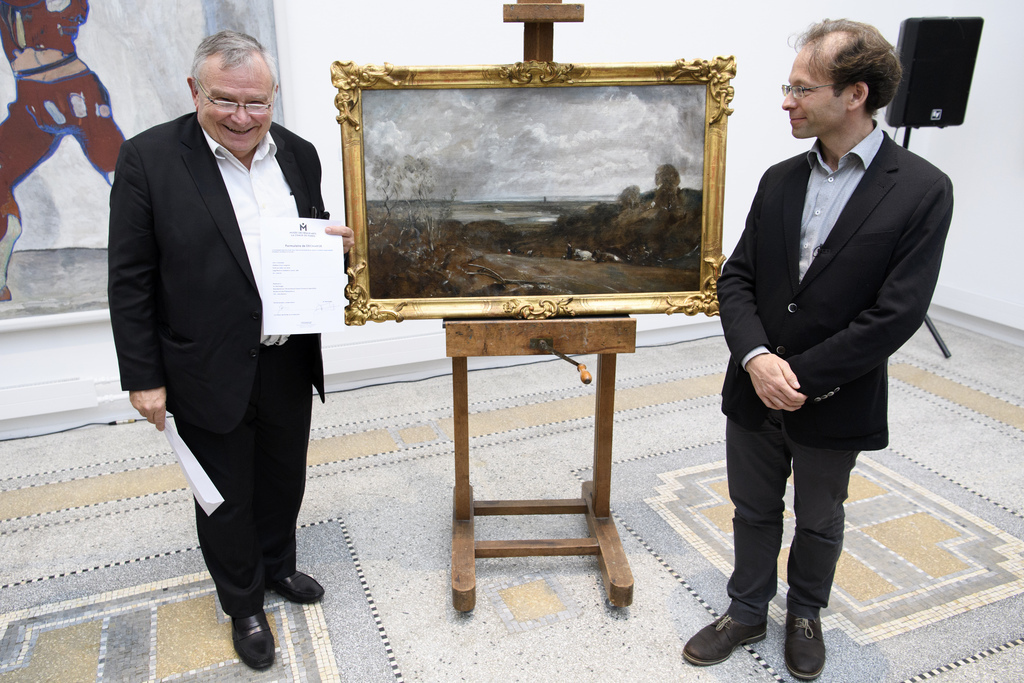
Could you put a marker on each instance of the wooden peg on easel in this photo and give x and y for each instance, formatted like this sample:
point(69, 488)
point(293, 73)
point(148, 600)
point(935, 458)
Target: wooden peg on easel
point(538, 18)
point(545, 344)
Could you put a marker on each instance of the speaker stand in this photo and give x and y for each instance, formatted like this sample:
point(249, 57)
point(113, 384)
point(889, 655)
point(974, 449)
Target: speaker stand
point(928, 321)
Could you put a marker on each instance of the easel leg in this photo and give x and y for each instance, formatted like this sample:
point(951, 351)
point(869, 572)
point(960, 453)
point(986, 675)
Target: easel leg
point(463, 564)
point(611, 560)
point(604, 421)
point(463, 537)
point(618, 579)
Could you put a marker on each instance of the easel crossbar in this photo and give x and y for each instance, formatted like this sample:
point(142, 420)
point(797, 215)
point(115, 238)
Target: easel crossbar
point(564, 506)
point(538, 547)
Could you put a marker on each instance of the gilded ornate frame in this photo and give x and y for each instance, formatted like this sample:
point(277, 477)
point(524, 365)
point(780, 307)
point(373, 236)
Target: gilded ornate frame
point(352, 80)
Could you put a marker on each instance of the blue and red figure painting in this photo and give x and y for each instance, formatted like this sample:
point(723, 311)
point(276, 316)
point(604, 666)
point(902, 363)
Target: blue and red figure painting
point(56, 95)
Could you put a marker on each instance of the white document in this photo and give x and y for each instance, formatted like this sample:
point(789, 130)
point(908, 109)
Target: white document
point(198, 480)
point(303, 283)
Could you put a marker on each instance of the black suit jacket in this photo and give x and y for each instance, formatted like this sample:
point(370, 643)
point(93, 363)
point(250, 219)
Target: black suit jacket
point(864, 295)
point(184, 306)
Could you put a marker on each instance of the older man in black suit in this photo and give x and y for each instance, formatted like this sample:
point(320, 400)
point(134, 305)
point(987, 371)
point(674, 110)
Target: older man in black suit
point(834, 271)
point(185, 307)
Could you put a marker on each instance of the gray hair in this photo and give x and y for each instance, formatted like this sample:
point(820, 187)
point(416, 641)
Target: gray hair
point(235, 49)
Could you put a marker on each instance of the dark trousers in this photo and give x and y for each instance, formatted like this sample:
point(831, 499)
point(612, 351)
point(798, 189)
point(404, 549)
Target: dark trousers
point(259, 467)
point(759, 463)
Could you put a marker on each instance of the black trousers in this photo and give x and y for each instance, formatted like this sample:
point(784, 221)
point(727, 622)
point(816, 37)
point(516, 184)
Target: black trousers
point(759, 463)
point(259, 467)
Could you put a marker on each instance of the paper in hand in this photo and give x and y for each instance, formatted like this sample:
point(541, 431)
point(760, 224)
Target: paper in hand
point(206, 493)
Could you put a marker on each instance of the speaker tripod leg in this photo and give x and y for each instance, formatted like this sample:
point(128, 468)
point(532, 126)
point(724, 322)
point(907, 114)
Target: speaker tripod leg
point(937, 336)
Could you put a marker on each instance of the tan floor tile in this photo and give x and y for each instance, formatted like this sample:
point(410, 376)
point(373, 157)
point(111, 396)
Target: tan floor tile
point(995, 408)
point(349, 446)
point(493, 422)
point(915, 538)
point(859, 580)
point(862, 488)
point(721, 515)
point(418, 434)
point(69, 494)
point(531, 601)
point(639, 397)
point(62, 655)
point(188, 636)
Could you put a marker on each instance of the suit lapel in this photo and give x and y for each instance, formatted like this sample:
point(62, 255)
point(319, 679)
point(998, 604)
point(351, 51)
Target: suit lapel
point(794, 196)
point(292, 174)
point(202, 166)
point(878, 179)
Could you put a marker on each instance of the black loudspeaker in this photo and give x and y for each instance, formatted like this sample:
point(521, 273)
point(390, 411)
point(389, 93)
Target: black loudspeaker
point(938, 55)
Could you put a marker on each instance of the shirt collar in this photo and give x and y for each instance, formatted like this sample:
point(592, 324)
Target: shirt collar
point(266, 148)
point(865, 150)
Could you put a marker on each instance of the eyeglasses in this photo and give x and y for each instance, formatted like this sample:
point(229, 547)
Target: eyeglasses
point(229, 107)
point(799, 92)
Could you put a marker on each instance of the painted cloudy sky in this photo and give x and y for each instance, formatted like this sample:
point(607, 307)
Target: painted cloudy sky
point(507, 143)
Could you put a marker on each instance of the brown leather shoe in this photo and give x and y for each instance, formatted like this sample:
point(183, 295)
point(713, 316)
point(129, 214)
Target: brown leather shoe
point(253, 639)
point(715, 642)
point(805, 648)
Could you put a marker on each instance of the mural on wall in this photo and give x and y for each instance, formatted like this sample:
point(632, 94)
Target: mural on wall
point(84, 75)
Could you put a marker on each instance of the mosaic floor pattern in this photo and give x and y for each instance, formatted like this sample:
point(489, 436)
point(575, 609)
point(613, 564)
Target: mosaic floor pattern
point(171, 630)
point(910, 558)
point(930, 584)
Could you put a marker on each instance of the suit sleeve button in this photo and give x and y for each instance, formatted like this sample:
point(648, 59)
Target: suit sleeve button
point(781, 350)
point(253, 353)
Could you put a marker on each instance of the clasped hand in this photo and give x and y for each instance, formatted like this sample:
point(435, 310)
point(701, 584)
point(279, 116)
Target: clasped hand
point(775, 382)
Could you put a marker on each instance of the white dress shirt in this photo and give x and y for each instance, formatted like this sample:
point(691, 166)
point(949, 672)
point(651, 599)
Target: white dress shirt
point(258, 191)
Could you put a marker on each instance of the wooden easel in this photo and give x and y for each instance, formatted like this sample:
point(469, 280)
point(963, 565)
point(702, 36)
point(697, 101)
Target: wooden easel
point(604, 336)
point(538, 18)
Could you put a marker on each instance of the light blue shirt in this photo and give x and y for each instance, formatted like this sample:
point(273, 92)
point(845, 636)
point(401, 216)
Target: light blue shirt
point(828, 192)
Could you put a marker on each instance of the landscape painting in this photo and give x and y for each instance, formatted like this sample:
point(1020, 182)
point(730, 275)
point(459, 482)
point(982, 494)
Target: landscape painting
point(536, 190)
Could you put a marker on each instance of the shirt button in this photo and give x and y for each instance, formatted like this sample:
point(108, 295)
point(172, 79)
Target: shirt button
point(817, 212)
point(830, 179)
point(791, 308)
point(781, 350)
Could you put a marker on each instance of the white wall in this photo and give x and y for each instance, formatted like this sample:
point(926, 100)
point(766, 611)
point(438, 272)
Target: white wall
point(980, 283)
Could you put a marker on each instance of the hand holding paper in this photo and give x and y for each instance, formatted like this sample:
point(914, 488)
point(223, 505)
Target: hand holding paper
point(303, 284)
point(203, 489)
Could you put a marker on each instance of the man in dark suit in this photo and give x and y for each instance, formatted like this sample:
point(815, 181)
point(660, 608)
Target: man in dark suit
point(185, 307)
point(834, 271)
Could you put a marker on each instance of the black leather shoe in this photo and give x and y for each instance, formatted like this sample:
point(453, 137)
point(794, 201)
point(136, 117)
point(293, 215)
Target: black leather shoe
point(805, 648)
point(253, 640)
point(298, 588)
point(715, 642)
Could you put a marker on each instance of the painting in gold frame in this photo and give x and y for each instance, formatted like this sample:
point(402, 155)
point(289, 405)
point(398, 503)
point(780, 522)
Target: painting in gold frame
point(533, 190)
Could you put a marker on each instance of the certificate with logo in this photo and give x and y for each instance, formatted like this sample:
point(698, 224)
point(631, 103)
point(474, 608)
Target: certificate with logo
point(303, 279)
